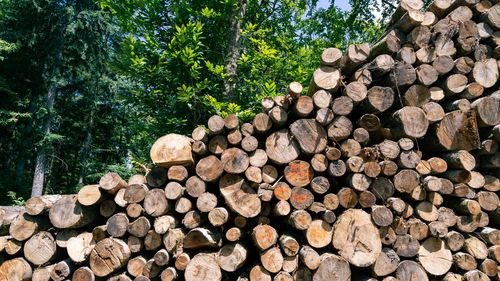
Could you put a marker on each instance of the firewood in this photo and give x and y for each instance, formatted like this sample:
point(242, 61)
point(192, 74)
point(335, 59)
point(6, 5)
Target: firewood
point(135, 266)
point(168, 274)
point(326, 78)
point(310, 135)
point(203, 267)
point(231, 257)
point(410, 270)
point(352, 227)
point(216, 145)
point(68, 213)
point(155, 203)
point(38, 205)
point(156, 177)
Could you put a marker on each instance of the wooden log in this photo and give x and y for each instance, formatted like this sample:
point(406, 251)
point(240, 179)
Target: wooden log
point(79, 247)
point(215, 125)
point(409, 270)
point(355, 227)
point(458, 130)
point(342, 105)
point(310, 135)
point(476, 248)
point(355, 55)
point(319, 234)
point(412, 121)
point(40, 248)
point(325, 78)
point(231, 257)
point(155, 203)
point(40, 204)
point(203, 267)
point(295, 89)
point(406, 246)
point(239, 197)
point(387, 262)
point(199, 238)
point(16, 269)
point(272, 259)
point(390, 43)
point(340, 128)
point(67, 212)
point(177, 173)
point(464, 261)
point(488, 110)
point(309, 257)
point(434, 257)
point(426, 74)
point(281, 147)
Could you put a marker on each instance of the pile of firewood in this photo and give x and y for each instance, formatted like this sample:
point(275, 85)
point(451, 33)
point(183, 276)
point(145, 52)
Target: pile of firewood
point(386, 169)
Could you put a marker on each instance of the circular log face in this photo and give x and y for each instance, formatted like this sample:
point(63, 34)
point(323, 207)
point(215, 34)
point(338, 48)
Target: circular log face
point(299, 173)
point(319, 234)
point(209, 168)
point(203, 267)
point(281, 147)
point(435, 257)
point(333, 268)
point(108, 255)
point(235, 160)
point(356, 238)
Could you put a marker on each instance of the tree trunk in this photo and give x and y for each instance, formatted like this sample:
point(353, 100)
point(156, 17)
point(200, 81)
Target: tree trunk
point(41, 158)
point(234, 50)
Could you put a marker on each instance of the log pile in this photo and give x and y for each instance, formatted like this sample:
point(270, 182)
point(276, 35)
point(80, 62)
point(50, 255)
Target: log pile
point(386, 168)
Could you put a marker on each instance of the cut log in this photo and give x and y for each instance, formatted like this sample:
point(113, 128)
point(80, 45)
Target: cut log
point(281, 147)
point(325, 78)
point(172, 149)
point(310, 135)
point(203, 267)
point(38, 205)
point(15, 269)
point(410, 271)
point(231, 257)
point(353, 228)
point(435, 258)
point(68, 213)
point(239, 197)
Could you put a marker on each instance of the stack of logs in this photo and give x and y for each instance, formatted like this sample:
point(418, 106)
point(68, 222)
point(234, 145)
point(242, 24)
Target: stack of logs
point(387, 169)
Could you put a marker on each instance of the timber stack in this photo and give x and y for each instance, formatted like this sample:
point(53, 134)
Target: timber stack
point(386, 168)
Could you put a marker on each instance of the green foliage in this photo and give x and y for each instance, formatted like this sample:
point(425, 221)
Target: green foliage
point(15, 200)
point(127, 72)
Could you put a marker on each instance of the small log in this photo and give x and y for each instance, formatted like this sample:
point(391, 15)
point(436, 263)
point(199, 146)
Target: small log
point(387, 262)
point(319, 234)
point(68, 213)
point(476, 248)
point(434, 257)
point(342, 105)
point(215, 125)
point(410, 270)
point(310, 135)
point(309, 257)
point(38, 205)
point(272, 259)
point(171, 149)
point(238, 197)
point(203, 267)
point(464, 261)
point(347, 234)
point(281, 147)
point(340, 128)
point(231, 257)
point(326, 78)
point(155, 203)
point(40, 248)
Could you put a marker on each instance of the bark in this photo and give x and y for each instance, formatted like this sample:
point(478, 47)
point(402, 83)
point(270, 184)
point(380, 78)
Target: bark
point(234, 50)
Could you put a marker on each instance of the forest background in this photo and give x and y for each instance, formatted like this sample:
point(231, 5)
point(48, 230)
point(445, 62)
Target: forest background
point(87, 86)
